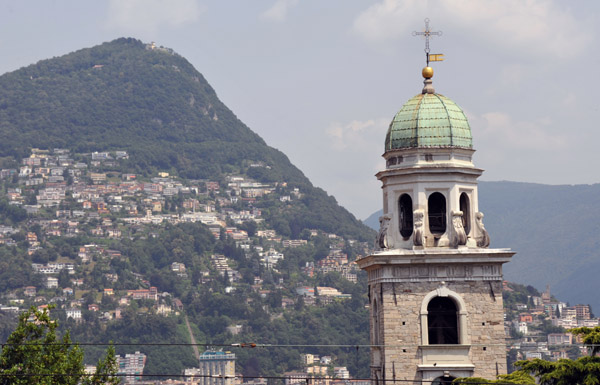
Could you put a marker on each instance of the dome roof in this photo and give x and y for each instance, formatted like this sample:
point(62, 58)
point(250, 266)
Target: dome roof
point(429, 120)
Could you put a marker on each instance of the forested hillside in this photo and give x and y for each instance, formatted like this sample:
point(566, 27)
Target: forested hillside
point(151, 102)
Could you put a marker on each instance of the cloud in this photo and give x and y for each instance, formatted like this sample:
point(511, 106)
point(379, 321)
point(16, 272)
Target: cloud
point(364, 135)
point(529, 27)
point(278, 11)
point(498, 130)
point(382, 21)
point(146, 16)
point(570, 100)
point(353, 157)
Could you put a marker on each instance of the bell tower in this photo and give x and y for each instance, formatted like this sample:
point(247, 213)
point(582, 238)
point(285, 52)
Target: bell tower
point(435, 287)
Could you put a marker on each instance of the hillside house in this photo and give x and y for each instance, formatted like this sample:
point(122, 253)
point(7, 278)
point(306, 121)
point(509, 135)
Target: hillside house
point(51, 282)
point(74, 314)
point(30, 291)
point(151, 293)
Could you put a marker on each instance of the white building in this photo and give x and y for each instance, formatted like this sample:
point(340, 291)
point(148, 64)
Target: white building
point(51, 282)
point(271, 257)
point(341, 372)
point(74, 313)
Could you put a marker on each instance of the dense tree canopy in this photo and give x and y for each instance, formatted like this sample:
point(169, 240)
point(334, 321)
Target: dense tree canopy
point(35, 354)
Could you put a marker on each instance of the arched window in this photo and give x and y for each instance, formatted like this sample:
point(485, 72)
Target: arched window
point(442, 321)
point(406, 215)
point(436, 210)
point(465, 207)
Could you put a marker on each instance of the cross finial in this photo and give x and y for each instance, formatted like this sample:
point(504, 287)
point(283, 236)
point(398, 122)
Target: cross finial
point(427, 33)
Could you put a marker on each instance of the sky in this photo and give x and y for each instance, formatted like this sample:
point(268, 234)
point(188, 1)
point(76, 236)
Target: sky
point(321, 79)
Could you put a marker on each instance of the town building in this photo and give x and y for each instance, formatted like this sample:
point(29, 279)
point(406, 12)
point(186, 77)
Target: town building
point(435, 288)
point(131, 366)
point(216, 368)
point(582, 311)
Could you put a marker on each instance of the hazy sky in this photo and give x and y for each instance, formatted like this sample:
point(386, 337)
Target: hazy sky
point(321, 79)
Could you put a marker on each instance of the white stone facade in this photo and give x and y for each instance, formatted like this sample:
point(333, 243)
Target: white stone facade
point(418, 173)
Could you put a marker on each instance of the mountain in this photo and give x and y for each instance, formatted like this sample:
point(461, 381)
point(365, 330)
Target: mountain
point(553, 229)
point(136, 203)
point(152, 103)
point(373, 220)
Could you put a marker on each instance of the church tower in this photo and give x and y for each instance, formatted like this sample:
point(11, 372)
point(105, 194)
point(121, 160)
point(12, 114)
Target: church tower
point(435, 288)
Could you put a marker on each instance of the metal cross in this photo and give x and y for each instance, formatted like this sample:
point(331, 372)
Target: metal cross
point(427, 33)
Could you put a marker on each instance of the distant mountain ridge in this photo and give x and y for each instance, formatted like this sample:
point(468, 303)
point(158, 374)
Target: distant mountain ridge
point(553, 229)
point(152, 103)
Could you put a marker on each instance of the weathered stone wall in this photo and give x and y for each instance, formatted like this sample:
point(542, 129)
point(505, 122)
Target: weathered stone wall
point(399, 307)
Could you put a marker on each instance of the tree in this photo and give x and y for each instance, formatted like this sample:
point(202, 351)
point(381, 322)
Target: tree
point(513, 378)
point(34, 354)
point(64, 280)
point(582, 371)
point(105, 370)
point(591, 338)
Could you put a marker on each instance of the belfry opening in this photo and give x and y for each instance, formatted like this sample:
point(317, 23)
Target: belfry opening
point(442, 321)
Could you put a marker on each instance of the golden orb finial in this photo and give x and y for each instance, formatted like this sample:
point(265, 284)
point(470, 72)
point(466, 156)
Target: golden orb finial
point(427, 72)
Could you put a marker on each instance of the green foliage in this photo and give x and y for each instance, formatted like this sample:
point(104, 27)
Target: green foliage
point(141, 328)
point(516, 378)
point(11, 214)
point(173, 243)
point(513, 378)
point(591, 337)
point(34, 354)
point(583, 371)
point(520, 294)
point(105, 370)
point(15, 271)
point(344, 322)
point(316, 210)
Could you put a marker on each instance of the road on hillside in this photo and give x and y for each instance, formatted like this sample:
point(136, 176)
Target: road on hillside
point(192, 338)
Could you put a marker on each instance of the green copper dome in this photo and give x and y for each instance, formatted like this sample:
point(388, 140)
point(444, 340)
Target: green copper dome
point(429, 120)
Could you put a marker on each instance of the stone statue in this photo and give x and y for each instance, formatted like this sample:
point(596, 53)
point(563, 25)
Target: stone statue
point(418, 239)
point(458, 236)
point(382, 242)
point(483, 240)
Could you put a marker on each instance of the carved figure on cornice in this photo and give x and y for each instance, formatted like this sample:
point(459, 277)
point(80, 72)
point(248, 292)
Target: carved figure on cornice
point(459, 236)
point(382, 242)
point(418, 239)
point(483, 240)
